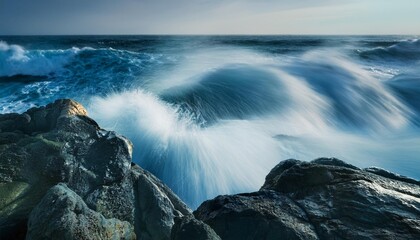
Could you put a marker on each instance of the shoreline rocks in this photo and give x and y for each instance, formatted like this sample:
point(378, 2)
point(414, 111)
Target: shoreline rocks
point(62, 176)
point(60, 144)
point(322, 199)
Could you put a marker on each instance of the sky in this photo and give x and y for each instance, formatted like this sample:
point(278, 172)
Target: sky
point(209, 17)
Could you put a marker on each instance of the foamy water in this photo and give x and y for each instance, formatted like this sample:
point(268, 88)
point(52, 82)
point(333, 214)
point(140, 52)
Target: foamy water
point(213, 115)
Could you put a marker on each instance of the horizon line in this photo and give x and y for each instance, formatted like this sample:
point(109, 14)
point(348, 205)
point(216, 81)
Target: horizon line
point(210, 34)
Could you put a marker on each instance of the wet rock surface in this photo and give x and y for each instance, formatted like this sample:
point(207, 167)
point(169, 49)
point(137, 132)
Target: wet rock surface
point(59, 143)
point(259, 215)
point(323, 199)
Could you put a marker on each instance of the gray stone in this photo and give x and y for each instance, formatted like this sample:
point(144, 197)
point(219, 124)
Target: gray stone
point(62, 214)
point(157, 206)
point(59, 143)
point(259, 215)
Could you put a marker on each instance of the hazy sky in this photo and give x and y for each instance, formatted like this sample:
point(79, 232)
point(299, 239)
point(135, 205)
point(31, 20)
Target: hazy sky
point(209, 17)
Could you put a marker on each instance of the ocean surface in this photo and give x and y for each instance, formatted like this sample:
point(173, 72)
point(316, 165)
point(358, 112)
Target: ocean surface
point(212, 115)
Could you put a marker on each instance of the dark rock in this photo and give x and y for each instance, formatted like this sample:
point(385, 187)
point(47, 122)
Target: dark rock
point(62, 214)
point(292, 175)
point(322, 199)
point(156, 206)
point(188, 227)
point(334, 162)
point(59, 143)
point(273, 176)
point(259, 215)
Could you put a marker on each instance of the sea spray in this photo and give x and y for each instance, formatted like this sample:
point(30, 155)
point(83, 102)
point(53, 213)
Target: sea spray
point(215, 118)
point(197, 163)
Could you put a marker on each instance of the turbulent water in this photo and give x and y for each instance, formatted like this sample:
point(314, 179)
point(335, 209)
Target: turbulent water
point(212, 115)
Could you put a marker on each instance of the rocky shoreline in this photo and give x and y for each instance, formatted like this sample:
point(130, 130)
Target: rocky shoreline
point(63, 177)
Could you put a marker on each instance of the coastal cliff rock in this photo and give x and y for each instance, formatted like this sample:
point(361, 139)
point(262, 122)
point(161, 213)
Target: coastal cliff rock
point(322, 199)
point(59, 143)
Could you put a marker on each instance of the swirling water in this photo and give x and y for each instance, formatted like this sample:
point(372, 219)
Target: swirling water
point(212, 115)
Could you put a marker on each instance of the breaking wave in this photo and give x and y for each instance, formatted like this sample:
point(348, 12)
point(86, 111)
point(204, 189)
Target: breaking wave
point(76, 62)
point(215, 119)
point(16, 60)
point(221, 131)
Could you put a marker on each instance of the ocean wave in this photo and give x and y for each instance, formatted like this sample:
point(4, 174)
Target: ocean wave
point(359, 100)
point(232, 155)
point(16, 60)
point(214, 120)
point(407, 87)
point(403, 50)
point(348, 95)
point(197, 163)
point(231, 92)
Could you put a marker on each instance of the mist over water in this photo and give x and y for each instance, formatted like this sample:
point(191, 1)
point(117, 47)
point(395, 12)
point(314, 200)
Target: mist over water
point(212, 115)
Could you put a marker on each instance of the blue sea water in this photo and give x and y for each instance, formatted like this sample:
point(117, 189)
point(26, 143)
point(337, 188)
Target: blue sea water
point(212, 115)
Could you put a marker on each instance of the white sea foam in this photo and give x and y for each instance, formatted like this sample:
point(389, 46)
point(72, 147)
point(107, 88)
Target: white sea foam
point(197, 163)
point(263, 103)
point(234, 154)
point(360, 100)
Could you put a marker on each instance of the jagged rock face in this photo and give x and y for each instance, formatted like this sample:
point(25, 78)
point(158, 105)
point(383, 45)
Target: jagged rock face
point(62, 214)
point(58, 143)
point(322, 199)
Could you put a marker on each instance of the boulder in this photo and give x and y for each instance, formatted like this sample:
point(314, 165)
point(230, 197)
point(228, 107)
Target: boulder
point(156, 206)
point(59, 143)
point(62, 214)
point(258, 215)
point(323, 199)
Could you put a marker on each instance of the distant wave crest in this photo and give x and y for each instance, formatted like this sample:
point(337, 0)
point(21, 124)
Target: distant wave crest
point(403, 50)
point(16, 60)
